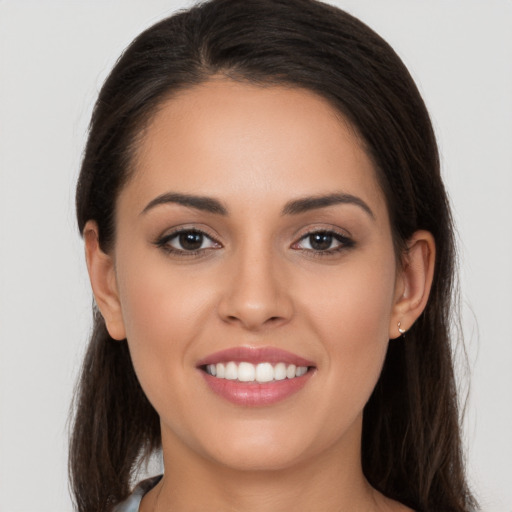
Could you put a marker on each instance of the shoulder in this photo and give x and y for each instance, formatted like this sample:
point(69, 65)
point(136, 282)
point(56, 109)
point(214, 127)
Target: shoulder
point(131, 504)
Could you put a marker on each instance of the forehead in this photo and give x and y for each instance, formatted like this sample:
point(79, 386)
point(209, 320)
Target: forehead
point(247, 143)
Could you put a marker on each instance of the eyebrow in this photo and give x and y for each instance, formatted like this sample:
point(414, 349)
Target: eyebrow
point(298, 206)
point(203, 203)
point(294, 207)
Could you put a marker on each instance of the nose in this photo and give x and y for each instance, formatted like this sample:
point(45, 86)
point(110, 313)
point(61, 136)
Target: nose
point(256, 293)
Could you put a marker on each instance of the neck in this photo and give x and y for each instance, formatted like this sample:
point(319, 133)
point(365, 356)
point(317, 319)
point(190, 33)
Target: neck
point(331, 481)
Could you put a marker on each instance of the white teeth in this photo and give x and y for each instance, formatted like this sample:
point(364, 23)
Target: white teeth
point(262, 372)
point(290, 371)
point(231, 371)
point(221, 371)
point(300, 371)
point(246, 372)
point(280, 371)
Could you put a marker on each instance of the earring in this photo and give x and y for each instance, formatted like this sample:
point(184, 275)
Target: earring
point(400, 330)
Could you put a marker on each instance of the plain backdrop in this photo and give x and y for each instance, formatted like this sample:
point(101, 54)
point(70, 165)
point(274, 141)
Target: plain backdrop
point(54, 56)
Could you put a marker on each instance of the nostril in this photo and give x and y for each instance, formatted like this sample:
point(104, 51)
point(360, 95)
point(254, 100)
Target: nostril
point(254, 310)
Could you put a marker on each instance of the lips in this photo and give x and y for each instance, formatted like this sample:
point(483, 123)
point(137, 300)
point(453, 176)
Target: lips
point(261, 372)
point(255, 355)
point(253, 377)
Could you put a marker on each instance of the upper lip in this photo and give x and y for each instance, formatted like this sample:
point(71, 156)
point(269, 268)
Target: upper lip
point(255, 355)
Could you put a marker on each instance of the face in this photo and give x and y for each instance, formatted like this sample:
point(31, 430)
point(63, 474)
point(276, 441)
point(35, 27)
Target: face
point(256, 276)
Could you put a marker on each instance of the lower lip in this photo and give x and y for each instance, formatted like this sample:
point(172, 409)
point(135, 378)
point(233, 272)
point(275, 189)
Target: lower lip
point(254, 394)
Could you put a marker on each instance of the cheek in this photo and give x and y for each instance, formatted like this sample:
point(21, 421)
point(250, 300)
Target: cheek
point(156, 305)
point(350, 313)
point(353, 304)
point(161, 301)
point(163, 313)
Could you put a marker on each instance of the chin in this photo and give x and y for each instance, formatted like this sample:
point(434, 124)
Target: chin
point(264, 447)
point(260, 458)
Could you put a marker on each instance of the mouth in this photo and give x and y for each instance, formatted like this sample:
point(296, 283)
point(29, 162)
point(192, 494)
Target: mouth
point(260, 373)
point(251, 376)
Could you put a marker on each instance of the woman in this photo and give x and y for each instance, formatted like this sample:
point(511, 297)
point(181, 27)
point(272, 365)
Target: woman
point(270, 248)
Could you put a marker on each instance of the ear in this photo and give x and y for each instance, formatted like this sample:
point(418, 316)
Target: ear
point(414, 281)
point(103, 281)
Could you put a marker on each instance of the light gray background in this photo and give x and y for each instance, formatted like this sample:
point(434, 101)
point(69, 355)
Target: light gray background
point(54, 56)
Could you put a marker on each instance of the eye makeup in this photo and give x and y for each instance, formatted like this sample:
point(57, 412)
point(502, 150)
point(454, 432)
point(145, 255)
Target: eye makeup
point(191, 241)
point(186, 242)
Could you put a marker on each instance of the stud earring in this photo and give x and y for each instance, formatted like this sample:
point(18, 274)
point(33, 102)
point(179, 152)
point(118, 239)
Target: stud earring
point(400, 330)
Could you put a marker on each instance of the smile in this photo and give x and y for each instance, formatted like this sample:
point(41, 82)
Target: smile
point(255, 376)
point(261, 373)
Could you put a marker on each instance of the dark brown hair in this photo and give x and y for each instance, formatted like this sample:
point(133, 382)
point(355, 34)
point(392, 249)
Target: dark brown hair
point(411, 447)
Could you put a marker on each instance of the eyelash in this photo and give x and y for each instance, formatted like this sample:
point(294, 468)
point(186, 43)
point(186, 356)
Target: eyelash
point(344, 241)
point(163, 242)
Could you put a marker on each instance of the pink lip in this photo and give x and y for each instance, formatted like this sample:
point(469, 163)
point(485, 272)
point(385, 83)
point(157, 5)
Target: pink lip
point(254, 394)
point(255, 355)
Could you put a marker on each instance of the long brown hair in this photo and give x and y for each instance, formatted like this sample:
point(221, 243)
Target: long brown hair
point(411, 448)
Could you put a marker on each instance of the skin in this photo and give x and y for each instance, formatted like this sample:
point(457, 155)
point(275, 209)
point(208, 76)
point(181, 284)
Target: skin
point(257, 282)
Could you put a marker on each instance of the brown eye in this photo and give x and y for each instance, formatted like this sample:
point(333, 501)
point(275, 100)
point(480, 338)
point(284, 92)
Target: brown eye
point(190, 241)
point(320, 241)
point(323, 242)
point(187, 242)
